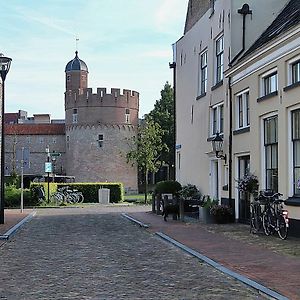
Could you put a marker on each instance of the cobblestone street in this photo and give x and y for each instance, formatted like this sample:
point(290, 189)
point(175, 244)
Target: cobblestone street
point(94, 253)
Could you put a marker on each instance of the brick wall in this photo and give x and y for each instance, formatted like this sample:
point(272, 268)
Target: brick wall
point(89, 162)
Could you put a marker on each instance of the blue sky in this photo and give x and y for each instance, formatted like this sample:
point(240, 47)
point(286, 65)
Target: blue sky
point(125, 43)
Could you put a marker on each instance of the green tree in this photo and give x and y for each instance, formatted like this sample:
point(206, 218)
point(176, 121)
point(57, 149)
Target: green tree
point(147, 147)
point(163, 114)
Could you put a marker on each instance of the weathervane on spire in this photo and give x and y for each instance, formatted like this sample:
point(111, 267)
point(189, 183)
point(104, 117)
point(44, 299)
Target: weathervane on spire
point(77, 40)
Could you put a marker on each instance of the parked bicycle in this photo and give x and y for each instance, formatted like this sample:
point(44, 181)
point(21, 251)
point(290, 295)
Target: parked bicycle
point(67, 195)
point(267, 213)
point(275, 218)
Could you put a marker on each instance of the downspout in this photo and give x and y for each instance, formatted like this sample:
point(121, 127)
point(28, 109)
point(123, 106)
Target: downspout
point(173, 66)
point(244, 11)
point(230, 142)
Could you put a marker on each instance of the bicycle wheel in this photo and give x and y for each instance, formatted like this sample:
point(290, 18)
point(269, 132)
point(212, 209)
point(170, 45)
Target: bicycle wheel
point(81, 198)
point(267, 223)
point(254, 224)
point(57, 197)
point(282, 227)
point(70, 198)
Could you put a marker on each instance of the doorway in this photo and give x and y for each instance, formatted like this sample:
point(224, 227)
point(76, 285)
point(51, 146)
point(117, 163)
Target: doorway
point(244, 198)
point(214, 180)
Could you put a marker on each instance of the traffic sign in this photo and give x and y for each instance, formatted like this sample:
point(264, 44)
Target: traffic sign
point(48, 167)
point(55, 154)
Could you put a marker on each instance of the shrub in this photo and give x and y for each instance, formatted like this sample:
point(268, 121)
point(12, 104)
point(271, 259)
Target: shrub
point(167, 187)
point(12, 197)
point(208, 202)
point(222, 213)
point(89, 190)
point(190, 191)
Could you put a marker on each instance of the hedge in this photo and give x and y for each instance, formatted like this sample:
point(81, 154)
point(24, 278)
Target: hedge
point(89, 190)
point(167, 187)
point(12, 197)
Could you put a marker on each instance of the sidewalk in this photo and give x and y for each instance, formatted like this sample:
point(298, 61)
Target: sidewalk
point(267, 260)
point(11, 218)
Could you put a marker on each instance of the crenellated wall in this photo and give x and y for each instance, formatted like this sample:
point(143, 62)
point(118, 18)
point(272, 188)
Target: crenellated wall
point(102, 107)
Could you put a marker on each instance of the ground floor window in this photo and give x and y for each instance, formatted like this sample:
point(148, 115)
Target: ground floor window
point(271, 152)
point(296, 150)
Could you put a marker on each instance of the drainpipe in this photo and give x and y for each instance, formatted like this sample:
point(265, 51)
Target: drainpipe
point(243, 11)
point(230, 142)
point(173, 66)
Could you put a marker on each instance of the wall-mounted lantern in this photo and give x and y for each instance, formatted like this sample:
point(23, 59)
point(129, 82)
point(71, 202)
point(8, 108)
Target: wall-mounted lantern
point(217, 145)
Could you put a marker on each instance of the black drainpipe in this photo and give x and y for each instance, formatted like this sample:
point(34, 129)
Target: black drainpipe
point(173, 172)
point(244, 11)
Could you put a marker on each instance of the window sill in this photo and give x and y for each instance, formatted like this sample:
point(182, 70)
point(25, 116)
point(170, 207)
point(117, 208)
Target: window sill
point(200, 96)
point(241, 130)
point(220, 83)
point(291, 86)
point(267, 96)
point(292, 201)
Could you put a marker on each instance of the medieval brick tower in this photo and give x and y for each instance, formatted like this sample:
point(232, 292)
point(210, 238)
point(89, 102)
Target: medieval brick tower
point(98, 129)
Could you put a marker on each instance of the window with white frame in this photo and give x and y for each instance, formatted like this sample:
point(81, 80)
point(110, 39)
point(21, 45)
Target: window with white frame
point(217, 119)
point(271, 152)
point(100, 140)
point(242, 111)
point(296, 151)
point(294, 70)
point(219, 59)
point(75, 116)
point(127, 115)
point(202, 85)
point(269, 83)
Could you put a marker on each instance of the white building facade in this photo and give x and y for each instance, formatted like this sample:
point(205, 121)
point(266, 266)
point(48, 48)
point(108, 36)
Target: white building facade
point(216, 33)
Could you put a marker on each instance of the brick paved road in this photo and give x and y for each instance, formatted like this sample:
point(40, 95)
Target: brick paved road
point(94, 253)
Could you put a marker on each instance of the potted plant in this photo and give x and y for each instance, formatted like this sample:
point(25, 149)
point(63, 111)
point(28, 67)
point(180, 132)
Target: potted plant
point(222, 213)
point(204, 210)
point(248, 184)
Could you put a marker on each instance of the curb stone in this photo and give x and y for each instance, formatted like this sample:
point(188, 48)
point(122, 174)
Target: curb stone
point(14, 229)
point(259, 287)
point(264, 290)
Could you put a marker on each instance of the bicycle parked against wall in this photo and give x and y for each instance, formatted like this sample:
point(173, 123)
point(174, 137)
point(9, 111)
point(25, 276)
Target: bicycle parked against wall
point(267, 214)
point(275, 218)
point(67, 195)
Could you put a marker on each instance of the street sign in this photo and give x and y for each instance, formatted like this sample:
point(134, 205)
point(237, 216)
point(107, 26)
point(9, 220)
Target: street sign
point(55, 154)
point(48, 167)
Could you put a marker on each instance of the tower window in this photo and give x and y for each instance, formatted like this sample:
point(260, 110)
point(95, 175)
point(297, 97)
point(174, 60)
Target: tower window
point(68, 77)
point(68, 142)
point(75, 116)
point(100, 140)
point(127, 115)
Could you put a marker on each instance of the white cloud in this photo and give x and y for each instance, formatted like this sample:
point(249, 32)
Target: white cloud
point(169, 12)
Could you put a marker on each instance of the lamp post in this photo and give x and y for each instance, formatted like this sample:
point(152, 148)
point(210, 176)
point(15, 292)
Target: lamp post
point(4, 68)
point(217, 145)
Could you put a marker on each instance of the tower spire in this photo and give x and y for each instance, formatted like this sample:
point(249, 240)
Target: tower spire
point(77, 40)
